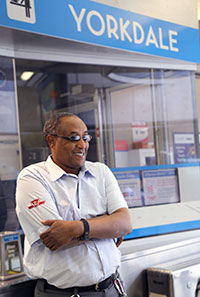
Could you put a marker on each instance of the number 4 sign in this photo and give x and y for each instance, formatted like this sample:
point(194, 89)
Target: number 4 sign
point(21, 10)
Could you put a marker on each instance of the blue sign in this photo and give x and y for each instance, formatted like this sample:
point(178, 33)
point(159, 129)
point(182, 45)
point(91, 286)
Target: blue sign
point(184, 148)
point(126, 175)
point(11, 237)
point(103, 25)
point(159, 173)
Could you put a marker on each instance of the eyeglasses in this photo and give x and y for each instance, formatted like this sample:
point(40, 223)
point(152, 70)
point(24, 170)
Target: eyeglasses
point(75, 138)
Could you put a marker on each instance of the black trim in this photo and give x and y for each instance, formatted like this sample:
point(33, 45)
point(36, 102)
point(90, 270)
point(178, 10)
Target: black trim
point(85, 235)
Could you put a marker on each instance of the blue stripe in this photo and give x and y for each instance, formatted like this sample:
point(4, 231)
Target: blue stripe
point(155, 167)
point(163, 229)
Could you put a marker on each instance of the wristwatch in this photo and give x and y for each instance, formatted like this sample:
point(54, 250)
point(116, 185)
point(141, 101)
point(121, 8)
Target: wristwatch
point(86, 232)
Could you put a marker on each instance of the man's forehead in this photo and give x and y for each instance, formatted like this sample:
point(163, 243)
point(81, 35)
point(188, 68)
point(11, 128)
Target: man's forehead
point(72, 124)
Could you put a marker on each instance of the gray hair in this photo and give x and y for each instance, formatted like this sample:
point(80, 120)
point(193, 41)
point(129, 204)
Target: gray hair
point(51, 125)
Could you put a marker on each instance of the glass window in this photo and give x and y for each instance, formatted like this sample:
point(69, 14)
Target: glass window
point(131, 118)
point(176, 130)
point(152, 118)
point(10, 161)
point(138, 118)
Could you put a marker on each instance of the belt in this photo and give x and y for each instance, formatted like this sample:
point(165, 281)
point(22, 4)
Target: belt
point(97, 287)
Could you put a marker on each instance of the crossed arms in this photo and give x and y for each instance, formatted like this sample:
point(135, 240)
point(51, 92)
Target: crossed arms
point(66, 233)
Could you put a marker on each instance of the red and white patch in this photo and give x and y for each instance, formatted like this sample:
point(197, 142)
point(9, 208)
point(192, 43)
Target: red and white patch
point(35, 203)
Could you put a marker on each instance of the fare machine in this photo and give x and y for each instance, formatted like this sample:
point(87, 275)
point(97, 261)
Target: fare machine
point(176, 278)
point(11, 255)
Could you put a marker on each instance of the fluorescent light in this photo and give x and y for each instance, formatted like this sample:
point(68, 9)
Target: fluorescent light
point(198, 9)
point(26, 75)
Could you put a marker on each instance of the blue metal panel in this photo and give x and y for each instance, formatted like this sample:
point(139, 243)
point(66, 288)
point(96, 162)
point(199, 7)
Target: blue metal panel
point(164, 166)
point(163, 229)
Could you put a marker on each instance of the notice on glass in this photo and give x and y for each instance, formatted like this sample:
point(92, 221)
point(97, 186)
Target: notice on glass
point(130, 185)
point(9, 157)
point(160, 186)
point(184, 148)
point(8, 116)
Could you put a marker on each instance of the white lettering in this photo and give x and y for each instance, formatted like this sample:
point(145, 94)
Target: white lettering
point(151, 38)
point(135, 30)
point(120, 29)
point(97, 14)
point(112, 30)
point(79, 18)
point(172, 41)
point(123, 29)
point(165, 47)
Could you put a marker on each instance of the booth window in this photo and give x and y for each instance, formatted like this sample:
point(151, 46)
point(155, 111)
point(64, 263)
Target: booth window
point(153, 118)
point(10, 161)
point(138, 118)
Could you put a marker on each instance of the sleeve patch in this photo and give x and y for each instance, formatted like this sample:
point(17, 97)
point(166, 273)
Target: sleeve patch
point(35, 203)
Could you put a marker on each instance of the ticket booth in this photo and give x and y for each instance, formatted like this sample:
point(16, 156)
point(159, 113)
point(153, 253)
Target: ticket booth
point(130, 71)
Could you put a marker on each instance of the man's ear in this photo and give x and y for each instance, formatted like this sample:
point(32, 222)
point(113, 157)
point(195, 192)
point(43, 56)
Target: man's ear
point(50, 140)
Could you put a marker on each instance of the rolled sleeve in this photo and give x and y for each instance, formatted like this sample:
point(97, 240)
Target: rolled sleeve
point(114, 195)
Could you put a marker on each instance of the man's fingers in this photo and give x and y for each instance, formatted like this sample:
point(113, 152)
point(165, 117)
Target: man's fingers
point(44, 234)
point(49, 243)
point(51, 246)
point(119, 241)
point(48, 222)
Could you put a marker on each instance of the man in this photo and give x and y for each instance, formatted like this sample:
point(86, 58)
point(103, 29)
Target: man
point(71, 210)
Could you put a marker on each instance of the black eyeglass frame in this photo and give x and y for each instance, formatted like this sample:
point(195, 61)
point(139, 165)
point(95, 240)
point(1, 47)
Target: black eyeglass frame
point(75, 138)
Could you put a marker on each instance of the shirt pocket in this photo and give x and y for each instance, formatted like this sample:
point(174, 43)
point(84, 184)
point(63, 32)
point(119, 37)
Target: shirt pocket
point(92, 203)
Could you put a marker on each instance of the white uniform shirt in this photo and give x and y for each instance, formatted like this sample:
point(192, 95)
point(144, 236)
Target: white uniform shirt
point(45, 191)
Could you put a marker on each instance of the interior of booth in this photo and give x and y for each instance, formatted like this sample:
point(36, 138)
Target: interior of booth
point(143, 122)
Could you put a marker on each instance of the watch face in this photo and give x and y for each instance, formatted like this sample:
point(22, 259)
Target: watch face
point(86, 235)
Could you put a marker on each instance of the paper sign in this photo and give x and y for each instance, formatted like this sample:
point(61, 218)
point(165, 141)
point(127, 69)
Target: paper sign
point(160, 186)
point(130, 185)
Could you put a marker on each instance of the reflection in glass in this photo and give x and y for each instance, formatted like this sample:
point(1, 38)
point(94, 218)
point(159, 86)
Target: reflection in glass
point(9, 146)
point(131, 113)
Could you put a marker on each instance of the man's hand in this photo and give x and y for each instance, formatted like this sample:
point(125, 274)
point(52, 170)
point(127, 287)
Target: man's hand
point(61, 233)
point(119, 241)
point(66, 233)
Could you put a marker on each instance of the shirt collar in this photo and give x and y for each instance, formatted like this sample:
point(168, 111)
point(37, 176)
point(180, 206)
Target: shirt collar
point(86, 170)
point(56, 172)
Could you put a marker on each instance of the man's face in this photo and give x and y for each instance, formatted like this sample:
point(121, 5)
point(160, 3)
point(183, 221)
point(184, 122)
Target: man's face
point(70, 156)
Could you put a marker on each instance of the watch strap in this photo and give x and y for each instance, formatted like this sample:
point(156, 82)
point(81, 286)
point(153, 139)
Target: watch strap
point(86, 232)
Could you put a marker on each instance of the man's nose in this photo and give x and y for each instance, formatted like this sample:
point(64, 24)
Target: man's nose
point(82, 143)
